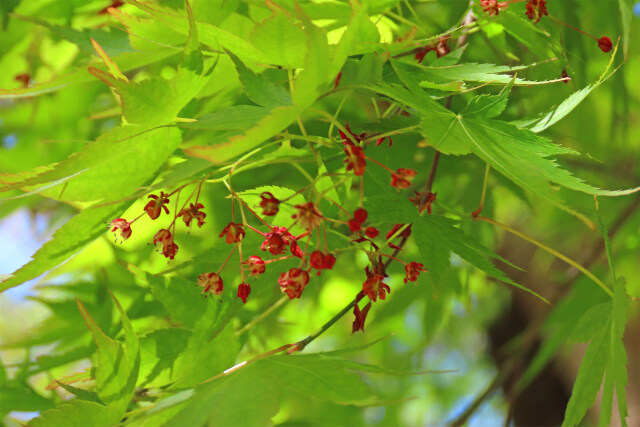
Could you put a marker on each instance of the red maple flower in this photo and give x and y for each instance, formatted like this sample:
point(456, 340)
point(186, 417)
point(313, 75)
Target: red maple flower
point(162, 236)
point(169, 249)
point(269, 204)
point(412, 271)
point(114, 4)
point(193, 211)
point(274, 243)
point(371, 232)
point(321, 261)
point(293, 282)
point(374, 286)
point(604, 43)
point(423, 201)
point(361, 316)
point(493, 7)
point(308, 215)
point(277, 240)
point(536, 9)
point(359, 217)
point(402, 178)
point(255, 264)
point(355, 158)
point(123, 225)
point(154, 207)
point(210, 282)
point(243, 292)
point(234, 233)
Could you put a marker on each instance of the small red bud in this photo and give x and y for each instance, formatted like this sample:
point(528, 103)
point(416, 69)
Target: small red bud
point(243, 292)
point(604, 43)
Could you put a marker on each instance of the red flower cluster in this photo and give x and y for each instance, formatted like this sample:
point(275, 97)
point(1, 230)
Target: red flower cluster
point(210, 283)
point(293, 282)
point(412, 271)
point(321, 261)
point(536, 9)
point(154, 207)
point(278, 239)
point(269, 204)
point(355, 224)
point(193, 211)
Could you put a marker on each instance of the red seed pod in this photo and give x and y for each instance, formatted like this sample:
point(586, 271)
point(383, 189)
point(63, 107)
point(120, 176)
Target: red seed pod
point(243, 292)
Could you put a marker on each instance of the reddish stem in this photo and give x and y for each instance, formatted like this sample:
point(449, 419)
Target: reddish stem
point(379, 164)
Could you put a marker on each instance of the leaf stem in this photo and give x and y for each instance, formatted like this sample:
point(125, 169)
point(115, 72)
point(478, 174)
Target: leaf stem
point(262, 316)
point(432, 173)
point(300, 345)
point(484, 191)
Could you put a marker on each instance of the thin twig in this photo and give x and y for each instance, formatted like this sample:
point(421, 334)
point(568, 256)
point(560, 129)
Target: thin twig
point(552, 251)
point(432, 173)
